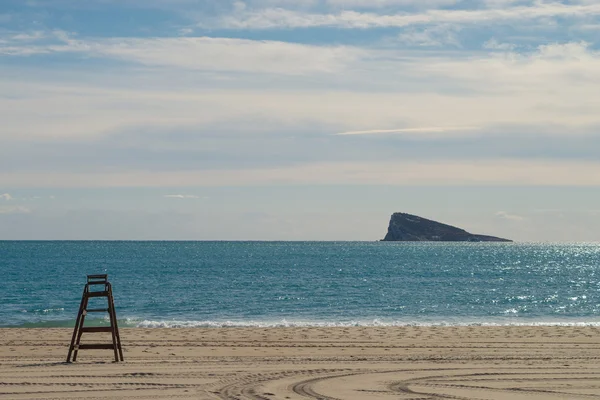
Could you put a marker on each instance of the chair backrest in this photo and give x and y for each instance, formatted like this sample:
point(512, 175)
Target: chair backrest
point(97, 279)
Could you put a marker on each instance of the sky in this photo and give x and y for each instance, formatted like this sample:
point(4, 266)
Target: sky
point(298, 119)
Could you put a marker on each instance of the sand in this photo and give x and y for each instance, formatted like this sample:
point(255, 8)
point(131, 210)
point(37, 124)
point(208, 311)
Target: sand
point(514, 363)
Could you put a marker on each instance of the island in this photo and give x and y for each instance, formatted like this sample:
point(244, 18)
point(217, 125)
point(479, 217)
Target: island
point(411, 228)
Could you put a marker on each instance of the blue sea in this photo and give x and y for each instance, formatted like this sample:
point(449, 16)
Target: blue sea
point(215, 284)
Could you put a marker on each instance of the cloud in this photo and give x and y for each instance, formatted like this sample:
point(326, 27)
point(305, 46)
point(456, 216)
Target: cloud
point(6, 197)
point(588, 27)
point(419, 130)
point(381, 88)
point(14, 210)
point(493, 44)
point(181, 196)
point(274, 18)
point(234, 119)
point(423, 95)
point(28, 36)
point(388, 3)
point(433, 36)
point(200, 53)
point(505, 172)
point(508, 216)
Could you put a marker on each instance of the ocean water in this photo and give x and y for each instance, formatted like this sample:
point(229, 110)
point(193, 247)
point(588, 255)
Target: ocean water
point(186, 284)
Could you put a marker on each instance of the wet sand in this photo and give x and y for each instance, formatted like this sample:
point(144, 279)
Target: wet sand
point(302, 363)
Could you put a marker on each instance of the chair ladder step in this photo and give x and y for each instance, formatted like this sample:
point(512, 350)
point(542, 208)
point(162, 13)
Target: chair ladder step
point(96, 329)
point(97, 310)
point(97, 294)
point(95, 346)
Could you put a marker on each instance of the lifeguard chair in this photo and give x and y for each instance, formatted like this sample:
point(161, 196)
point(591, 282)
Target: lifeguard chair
point(95, 281)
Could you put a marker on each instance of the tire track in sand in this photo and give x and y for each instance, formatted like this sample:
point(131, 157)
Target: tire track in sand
point(247, 387)
point(450, 382)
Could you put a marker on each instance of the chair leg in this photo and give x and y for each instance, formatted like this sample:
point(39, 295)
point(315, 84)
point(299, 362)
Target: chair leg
point(116, 325)
point(111, 316)
point(77, 327)
point(80, 332)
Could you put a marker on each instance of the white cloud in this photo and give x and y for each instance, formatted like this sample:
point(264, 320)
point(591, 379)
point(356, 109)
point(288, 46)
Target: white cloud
point(284, 18)
point(419, 130)
point(340, 4)
point(463, 172)
point(14, 210)
point(433, 36)
point(552, 90)
point(223, 54)
point(508, 216)
point(588, 27)
point(185, 31)
point(28, 36)
point(493, 44)
point(6, 197)
point(488, 91)
point(511, 3)
point(203, 53)
point(181, 196)
point(387, 3)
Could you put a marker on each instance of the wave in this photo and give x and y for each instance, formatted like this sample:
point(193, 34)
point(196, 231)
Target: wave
point(66, 323)
point(45, 310)
point(284, 323)
point(343, 324)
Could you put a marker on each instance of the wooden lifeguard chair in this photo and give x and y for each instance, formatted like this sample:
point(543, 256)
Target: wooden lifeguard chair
point(106, 291)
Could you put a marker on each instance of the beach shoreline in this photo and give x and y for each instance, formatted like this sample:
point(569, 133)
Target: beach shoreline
point(408, 362)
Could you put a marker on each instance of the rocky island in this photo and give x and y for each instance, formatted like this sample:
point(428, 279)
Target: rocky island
point(411, 228)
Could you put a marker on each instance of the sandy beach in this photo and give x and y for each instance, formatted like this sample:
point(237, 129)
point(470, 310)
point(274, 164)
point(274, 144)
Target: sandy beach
point(298, 363)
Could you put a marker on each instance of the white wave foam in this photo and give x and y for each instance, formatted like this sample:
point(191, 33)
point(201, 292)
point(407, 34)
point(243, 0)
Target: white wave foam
point(46, 310)
point(320, 324)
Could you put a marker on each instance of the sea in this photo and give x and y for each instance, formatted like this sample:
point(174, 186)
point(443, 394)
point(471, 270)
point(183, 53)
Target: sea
point(289, 284)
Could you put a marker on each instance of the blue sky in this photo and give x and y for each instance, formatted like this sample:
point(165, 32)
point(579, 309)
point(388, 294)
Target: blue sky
point(298, 120)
